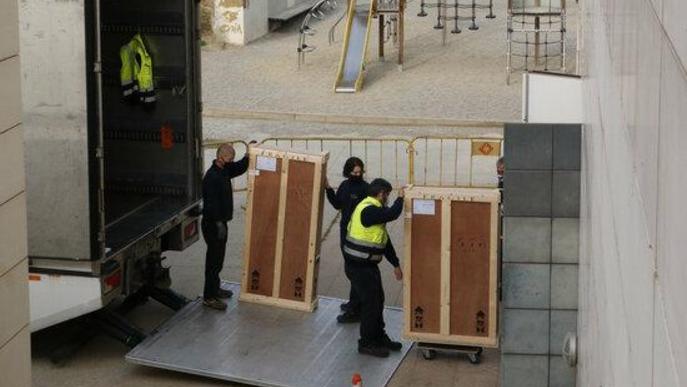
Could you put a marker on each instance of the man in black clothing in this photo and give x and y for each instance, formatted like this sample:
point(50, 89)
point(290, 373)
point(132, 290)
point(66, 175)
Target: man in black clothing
point(366, 241)
point(218, 208)
point(349, 194)
point(500, 170)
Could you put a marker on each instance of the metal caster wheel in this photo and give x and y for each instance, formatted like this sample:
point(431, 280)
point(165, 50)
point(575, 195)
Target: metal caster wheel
point(429, 354)
point(475, 358)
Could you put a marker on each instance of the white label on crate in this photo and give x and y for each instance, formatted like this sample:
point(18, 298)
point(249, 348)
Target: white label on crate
point(266, 163)
point(423, 207)
point(253, 172)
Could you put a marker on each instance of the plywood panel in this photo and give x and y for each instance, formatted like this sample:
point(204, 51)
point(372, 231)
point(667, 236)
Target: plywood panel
point(282, 246)
point(470, 274)
point(426, 271)
point(299, 199)
point(263, 235)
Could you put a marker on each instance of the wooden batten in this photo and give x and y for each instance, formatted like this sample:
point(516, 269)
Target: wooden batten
point(281, 247)
point(450, 293)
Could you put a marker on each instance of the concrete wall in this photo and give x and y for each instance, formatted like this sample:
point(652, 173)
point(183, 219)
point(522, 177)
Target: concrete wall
point(238, 25)
point(15, 360)
point(541, 200)
point(633, 312)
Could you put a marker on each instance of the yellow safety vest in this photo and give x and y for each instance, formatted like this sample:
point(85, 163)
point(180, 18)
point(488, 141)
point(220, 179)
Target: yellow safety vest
point(136, 73)
point(365, 243)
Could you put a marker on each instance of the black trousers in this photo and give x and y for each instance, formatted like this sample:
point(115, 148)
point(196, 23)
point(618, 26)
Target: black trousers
point(367, 283)
point(214, 257)
point(353, 298)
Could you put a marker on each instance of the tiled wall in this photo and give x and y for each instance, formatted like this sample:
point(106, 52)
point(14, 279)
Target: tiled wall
point(540, 253)
point(633, 240)
point(15, 361)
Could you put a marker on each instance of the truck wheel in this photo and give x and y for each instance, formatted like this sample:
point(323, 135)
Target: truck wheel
point(475, 358)
point(429, 354)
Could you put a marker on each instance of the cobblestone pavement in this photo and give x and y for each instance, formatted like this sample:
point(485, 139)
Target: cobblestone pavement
point(465, 79)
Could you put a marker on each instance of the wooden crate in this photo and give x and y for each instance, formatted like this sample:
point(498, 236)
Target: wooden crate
point(450, 292)
point(283, 228)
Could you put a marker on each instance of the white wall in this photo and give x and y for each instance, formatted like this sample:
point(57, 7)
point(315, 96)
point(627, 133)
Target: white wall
point(633, 271)
point(15, 360)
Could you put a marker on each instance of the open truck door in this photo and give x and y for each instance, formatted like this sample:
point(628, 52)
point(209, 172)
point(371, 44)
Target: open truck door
point(113, 174)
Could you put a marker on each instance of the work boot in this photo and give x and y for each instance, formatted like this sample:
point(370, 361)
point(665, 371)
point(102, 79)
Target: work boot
point(214, 303)
point(375, 350)
point(223, 293)
point(390, 344)
point(344, 306)
point(348, 317)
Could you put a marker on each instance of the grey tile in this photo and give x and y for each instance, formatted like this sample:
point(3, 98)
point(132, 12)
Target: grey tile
point(562, 322)
point(524, 371)
point(526, 239)
point(561, 374)
point(566, 194)
point(565, 240)
point(528, 146)
point(525, 331)
point(566, 146)
point(526, 285)
point(563, 286)
point(527, 193)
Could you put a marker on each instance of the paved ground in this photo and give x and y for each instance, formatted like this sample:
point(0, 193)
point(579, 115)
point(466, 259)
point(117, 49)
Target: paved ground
point(463, 80)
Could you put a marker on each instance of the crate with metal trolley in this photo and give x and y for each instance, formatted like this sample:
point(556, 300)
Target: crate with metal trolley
point(451, 269)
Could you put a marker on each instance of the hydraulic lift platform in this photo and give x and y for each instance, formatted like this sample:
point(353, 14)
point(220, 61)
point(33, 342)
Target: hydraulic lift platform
point(267, 346)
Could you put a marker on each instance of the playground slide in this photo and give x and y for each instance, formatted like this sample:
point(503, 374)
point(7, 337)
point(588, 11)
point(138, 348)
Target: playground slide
point(349, 78)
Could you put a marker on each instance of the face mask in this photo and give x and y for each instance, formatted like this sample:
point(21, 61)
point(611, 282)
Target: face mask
point(355, 177)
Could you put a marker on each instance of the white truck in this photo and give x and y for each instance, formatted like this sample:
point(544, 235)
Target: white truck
point(111, 184)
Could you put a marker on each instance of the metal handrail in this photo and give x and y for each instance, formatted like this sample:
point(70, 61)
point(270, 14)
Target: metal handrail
point(332, 29)
point(401, 145)
point(317, 12)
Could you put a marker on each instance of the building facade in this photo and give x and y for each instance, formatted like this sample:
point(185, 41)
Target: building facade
point(632, 310)
point(15, 361)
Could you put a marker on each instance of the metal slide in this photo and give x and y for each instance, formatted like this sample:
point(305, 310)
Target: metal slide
point(349, 78)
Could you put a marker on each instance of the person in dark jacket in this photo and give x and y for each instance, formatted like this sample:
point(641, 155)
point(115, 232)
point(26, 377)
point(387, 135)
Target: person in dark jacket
point(366, 242)
point(349, 194)
point(218, 209)
point(500, 170)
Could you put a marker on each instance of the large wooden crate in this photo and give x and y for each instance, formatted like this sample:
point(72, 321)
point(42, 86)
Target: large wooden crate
point(283, 228)
point(451, 266)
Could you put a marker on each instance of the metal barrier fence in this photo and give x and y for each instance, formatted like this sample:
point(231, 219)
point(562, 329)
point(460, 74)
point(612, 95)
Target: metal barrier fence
point(454, 161)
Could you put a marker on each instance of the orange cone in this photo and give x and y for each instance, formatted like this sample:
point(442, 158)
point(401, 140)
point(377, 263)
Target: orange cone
point(357, 381)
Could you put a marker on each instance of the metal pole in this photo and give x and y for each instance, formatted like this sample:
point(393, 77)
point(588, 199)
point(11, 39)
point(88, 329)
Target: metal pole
point(381, 37)
point(100, 152)
point(422, 8)
point(401, 28)
point(456, 27)
point(474, 26)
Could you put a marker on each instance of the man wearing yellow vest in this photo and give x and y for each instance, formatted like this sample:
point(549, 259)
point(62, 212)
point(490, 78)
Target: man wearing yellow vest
point(366, 242)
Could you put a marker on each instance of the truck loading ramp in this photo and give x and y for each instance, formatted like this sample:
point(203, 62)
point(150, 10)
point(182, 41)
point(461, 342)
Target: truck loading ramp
point(267, 346)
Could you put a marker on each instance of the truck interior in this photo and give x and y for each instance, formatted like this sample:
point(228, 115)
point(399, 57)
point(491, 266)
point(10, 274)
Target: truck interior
point(151, 164)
